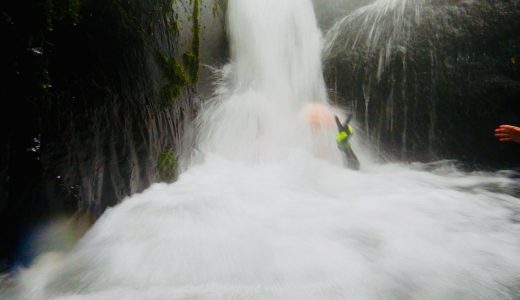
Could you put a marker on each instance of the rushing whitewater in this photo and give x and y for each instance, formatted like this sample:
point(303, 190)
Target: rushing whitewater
point(264, 211)
point(258, 113)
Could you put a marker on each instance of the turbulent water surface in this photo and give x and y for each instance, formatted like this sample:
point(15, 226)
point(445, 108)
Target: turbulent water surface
point(265, 209)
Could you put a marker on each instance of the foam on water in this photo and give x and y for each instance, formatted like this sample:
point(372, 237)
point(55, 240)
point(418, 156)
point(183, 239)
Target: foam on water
point(263, 214)
point(298, 229)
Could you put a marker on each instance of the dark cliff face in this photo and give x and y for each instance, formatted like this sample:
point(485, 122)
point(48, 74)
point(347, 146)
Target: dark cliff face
point(97, 96)
point(430, 79)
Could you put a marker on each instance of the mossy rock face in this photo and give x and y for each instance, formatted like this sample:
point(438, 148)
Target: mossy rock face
point(177, 80)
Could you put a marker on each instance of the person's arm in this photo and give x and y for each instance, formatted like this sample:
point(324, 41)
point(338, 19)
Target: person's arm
point(508, 133)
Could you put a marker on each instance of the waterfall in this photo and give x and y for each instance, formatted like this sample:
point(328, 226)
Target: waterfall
point(260, 214)
point(274, 72)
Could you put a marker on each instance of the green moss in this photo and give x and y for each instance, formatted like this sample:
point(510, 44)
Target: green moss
point(191, 58)
point(166, 165)
point(169, 93)
point(175, 26)
point(191, 64)
point(177, 78)
point(196, 26)
point(179, 75)
point(174, 70)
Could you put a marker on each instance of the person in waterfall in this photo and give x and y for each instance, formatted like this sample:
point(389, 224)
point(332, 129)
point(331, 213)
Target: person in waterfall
point(508, 133)
point(345, 132)
point(319, 116)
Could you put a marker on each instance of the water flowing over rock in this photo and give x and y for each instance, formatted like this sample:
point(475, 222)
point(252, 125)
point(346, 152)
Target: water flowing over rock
point(430, 79)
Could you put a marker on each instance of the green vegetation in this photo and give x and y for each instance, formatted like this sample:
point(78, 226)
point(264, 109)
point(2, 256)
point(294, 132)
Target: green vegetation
point(191, 63)
point(166, 165)
point(191, 59)
point(178, 79)
point(180, 75)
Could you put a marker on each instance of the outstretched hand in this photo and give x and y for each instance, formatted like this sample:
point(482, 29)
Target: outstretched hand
point(508, 133)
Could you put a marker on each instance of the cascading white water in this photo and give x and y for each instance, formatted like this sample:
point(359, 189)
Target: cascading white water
point(275, 70)
point(263, 216)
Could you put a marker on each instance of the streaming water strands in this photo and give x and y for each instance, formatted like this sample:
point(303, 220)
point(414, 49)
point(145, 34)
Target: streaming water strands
point(408, 68)
point(379, 36)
